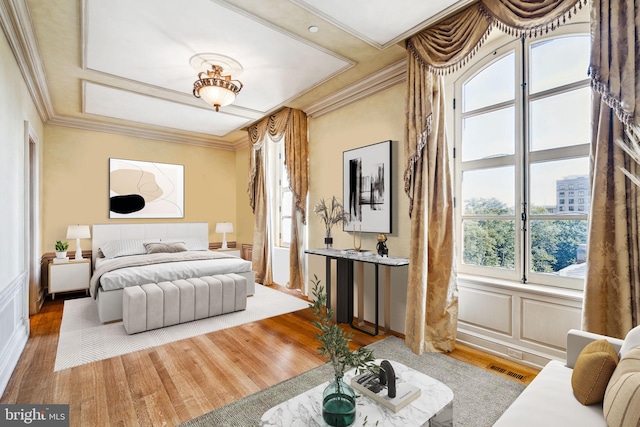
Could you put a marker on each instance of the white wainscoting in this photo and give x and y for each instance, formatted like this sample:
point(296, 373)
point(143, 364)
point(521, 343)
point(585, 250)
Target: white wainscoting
point(14, 327)
point(517, 320)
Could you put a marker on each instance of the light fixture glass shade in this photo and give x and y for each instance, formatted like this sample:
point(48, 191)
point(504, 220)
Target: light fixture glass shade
point(217, 96)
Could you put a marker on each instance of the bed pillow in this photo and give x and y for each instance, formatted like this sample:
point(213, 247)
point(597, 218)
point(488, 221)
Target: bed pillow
point(192, 243)
point(165, 247)
point(631, 341)
point(592, 371)
point(118, 248)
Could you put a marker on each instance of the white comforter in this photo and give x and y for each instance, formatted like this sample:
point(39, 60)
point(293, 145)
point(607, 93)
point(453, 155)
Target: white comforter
point(118, 273)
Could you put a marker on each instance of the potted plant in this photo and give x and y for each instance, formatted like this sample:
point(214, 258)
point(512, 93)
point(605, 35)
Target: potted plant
point(339, 399)
point(330, 215)
point(61, 249)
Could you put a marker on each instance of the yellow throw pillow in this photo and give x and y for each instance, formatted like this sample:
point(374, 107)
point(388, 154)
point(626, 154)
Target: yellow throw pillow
point(592, 371)
point(621, 406)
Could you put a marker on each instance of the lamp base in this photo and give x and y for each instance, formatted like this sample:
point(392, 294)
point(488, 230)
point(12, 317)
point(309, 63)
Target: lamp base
point(224, 241)
point(78, 251)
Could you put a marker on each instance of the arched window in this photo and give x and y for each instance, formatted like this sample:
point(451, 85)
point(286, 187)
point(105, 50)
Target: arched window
point(522, 131)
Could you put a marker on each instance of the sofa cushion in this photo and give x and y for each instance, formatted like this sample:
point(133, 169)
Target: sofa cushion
point(631, 341)
point(620, 407)
point(592, 371)
point(548, 401)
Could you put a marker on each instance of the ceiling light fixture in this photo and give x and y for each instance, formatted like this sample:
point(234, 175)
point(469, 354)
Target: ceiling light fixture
point(215, 84)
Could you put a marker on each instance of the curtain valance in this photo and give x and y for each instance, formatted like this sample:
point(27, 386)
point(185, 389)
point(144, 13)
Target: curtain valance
point(449, 44)
point(291, 124)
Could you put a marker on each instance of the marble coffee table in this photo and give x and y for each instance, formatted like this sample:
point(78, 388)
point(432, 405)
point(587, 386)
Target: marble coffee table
point(433, 408)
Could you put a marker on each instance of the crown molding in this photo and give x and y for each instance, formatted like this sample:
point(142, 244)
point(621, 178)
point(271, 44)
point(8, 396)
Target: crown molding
point(383, 79)
point(16, 23)
point(158, 135)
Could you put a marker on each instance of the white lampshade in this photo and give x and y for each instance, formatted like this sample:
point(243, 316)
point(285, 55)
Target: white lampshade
point(224, 228)
point(78, 232)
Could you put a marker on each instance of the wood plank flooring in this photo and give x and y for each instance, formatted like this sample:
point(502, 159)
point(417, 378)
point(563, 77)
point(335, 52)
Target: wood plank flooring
point(173, 383)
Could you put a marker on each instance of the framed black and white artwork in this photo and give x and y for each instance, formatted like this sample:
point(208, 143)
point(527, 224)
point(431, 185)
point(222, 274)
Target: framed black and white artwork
point(367, 188)
point(145, 190)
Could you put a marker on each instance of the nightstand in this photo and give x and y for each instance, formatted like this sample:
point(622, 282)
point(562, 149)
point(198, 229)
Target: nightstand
point(229, 251)
point(69, 276)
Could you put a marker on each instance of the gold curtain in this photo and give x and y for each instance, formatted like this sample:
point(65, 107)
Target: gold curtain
point(432, 296)
point(612, 289)
point(292, 125)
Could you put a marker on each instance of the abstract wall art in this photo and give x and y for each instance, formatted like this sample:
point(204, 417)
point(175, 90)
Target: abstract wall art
point(145, 189)
point(367, 188)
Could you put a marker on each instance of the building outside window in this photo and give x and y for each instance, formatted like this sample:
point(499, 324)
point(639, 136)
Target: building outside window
point(522, 133)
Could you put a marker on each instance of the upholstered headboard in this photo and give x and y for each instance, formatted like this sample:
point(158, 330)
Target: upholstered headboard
point(105, 232)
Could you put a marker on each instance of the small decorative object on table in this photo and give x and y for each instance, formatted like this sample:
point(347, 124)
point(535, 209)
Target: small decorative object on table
point(61, 249)
point(338, 399)
point(384, 389)
point(330, 215)
point(382, 245)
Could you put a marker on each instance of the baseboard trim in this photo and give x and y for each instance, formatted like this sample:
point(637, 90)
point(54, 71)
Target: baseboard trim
point(496, 348)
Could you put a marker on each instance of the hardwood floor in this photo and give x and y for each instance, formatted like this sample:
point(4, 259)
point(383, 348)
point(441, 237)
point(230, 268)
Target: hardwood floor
point(173, 383)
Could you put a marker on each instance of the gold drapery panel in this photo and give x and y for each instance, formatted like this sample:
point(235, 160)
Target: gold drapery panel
point(292, 125)
point(611, 303)
point(432, 300)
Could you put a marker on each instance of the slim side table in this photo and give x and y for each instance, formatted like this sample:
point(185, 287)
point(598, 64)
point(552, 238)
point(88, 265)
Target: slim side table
point(345, 282)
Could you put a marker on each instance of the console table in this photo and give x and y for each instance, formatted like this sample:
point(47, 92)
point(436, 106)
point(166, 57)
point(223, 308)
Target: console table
point(344, 285)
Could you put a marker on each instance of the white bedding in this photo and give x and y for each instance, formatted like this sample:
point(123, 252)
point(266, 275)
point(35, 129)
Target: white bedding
point(166, 271)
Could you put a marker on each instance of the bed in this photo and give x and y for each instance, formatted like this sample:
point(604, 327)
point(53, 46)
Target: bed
point(121, 258)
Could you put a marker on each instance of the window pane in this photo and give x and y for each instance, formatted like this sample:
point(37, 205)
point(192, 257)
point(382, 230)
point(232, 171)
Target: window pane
point(286, 203)
point(561, 120)
point(554, 185)
point(285, 229)
point(558, 62)
point(493, 85)
point(489, 191)
point(488, 135)
point(489, 243)
point(284, 182)
point(559, 247)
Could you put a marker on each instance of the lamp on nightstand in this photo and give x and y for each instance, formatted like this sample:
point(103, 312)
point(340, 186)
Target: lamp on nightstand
point(224, 228)
point(78, 232)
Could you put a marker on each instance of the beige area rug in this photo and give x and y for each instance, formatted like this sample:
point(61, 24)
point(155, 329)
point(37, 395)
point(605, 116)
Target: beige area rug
point(83, 339)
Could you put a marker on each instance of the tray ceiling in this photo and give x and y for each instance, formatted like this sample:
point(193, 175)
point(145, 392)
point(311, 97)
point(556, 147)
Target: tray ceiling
point(126, 63)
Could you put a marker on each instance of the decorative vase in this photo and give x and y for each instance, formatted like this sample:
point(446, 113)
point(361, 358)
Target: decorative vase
point(339, 404)
point(328, 240)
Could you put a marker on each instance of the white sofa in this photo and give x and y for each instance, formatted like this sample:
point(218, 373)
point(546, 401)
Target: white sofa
point(549, 400)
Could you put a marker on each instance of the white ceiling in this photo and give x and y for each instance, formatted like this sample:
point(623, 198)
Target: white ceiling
point(126, 63)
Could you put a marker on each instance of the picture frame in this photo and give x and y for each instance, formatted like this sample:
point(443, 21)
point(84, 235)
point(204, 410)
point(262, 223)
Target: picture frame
point(367, 188)
point(139, 189)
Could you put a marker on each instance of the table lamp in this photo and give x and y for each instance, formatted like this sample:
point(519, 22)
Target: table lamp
point(78, 232)
point(224, 228)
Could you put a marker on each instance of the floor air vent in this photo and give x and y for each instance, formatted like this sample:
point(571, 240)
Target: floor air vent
point(507, 372)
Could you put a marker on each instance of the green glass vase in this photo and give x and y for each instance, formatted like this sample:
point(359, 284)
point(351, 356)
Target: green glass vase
point(339, 404)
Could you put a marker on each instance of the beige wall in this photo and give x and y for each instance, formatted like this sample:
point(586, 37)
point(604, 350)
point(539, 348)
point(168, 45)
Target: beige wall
point(377, 118)
point(76, 180)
